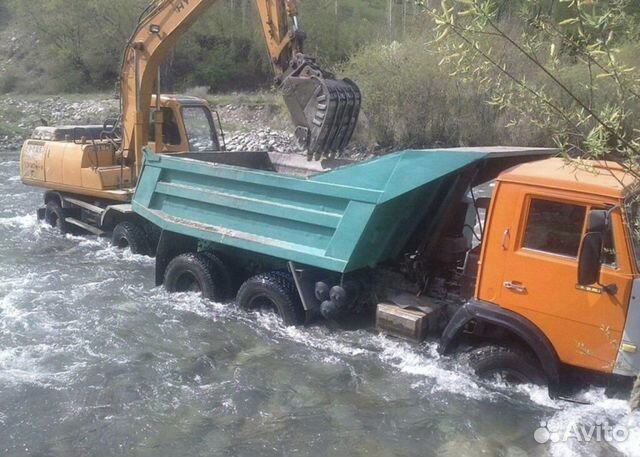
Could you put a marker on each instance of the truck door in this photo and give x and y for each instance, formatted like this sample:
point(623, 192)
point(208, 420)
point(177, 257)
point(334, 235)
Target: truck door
point(539, 276)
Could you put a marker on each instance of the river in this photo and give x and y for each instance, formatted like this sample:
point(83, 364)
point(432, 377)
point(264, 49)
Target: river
point(95, 360)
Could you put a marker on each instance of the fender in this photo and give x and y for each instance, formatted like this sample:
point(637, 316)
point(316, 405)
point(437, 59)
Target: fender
point(484, 312)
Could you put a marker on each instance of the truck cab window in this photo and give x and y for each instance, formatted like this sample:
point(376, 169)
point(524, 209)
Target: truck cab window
point(609, 249)
point(201, 133)
point(554, 227)
point(170, 130)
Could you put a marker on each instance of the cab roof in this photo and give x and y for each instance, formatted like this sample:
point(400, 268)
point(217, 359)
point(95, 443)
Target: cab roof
point(603, 178)
point(182, 99)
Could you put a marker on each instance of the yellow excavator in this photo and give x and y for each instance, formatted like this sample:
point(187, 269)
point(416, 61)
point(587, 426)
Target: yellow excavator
point(91, 171)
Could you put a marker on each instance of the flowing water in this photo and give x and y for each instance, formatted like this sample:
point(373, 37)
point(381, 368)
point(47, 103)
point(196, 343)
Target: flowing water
point(94, 360)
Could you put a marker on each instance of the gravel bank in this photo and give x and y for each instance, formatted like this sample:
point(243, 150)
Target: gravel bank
point(19, 116)
point(246, 127)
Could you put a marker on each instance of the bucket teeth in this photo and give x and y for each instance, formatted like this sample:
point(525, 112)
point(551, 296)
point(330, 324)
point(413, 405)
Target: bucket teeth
point(327, 108)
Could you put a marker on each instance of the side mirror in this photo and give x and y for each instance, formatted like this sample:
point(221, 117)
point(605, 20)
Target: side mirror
point(589, 259)
point(598, 221)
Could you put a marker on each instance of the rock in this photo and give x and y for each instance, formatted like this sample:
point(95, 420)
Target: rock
point(54, 110)
point(255, 127)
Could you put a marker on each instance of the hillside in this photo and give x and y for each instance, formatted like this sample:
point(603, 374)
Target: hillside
point(55, 42)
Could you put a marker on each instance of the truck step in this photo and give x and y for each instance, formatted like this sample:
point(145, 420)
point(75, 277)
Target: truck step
point(407, 316)
point(84, 205)
point(87, 227)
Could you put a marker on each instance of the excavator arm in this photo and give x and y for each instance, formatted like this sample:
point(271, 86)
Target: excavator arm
point(323, 109)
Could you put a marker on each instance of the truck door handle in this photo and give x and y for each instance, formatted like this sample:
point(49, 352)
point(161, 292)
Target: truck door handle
point(515, 286)
point(505, 238)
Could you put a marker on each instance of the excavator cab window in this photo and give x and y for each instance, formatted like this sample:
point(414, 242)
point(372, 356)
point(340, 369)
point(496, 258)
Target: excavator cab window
point(170, 129)
point(201, 133)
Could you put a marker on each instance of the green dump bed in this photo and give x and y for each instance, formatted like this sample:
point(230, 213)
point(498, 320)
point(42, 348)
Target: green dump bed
point(341, 220)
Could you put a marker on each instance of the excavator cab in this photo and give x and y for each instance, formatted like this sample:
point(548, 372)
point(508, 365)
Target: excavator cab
point(187, 125)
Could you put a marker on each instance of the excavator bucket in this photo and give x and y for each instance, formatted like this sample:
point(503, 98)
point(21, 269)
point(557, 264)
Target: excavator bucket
point(324, 110)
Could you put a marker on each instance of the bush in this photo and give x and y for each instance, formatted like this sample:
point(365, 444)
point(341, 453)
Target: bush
point(414, 98)
point(8, 82)
point(410, 100)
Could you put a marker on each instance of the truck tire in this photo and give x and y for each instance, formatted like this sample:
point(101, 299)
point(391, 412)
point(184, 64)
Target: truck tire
point(512, 364)
point(196, 272)
point(130, 235)
point(275, 290)
point(54, 216)
point(223, 272)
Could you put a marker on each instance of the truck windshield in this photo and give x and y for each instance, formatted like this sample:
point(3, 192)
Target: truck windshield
point(198, 124)
point(632, 210)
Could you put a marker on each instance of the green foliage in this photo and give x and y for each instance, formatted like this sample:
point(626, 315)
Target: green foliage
point(8, 81)
point(571, 70)
point(410, 101)
point(78, 43)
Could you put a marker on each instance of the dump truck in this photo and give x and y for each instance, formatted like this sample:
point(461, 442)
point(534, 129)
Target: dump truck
point(525, 263)
point(90, 171)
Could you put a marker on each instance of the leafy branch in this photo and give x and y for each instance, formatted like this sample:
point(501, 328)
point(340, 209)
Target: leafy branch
point(591, 32)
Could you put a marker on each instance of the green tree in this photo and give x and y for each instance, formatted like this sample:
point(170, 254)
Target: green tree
point(79, 43)
point(76, 45)
point(569, 68)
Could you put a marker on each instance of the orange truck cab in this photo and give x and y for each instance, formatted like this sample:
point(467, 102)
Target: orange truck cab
point(558, 270)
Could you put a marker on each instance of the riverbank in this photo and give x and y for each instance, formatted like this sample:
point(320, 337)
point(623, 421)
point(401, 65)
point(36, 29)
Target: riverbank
point(250, 121)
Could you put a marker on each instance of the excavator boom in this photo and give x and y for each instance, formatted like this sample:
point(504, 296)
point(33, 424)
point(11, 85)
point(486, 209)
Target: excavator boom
point(324, 109)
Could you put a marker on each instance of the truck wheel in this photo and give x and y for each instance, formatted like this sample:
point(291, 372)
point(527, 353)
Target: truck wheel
point(54, 216)
point(511, 364)
point(275, 290)
point(129, 235)
point(197, 273)
point(223, 273)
